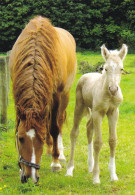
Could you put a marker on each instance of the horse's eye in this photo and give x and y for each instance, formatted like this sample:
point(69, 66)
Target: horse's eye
point(21, 139)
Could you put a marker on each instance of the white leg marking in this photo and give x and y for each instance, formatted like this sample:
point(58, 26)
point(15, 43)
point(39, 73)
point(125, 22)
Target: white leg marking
point(90, 161)
point(60, 147)
point(112, 169)
point(70, 171)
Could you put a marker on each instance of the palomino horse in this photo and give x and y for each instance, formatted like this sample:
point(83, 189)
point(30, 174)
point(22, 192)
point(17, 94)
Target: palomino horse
point(43, 66)
point(100, 94)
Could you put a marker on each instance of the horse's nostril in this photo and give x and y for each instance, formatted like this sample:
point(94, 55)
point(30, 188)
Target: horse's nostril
point(24, 179)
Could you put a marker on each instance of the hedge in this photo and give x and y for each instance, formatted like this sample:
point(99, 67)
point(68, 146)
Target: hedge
point(92, 23)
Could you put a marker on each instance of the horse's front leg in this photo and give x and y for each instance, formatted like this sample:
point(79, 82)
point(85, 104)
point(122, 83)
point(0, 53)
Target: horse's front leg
point(112, 119)
point(97, 119)
point(54, 131)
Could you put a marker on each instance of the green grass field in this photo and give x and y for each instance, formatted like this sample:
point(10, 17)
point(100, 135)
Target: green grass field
point(81, 183)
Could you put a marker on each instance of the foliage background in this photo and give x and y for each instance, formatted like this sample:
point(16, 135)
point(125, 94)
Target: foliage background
point(92, 23)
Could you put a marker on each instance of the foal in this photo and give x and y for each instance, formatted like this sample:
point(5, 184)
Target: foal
point(100, 94)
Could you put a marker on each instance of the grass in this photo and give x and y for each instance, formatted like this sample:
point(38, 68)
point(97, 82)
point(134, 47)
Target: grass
point(81, 183)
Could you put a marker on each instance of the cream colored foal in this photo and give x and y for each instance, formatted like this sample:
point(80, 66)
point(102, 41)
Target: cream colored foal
point(100, 94)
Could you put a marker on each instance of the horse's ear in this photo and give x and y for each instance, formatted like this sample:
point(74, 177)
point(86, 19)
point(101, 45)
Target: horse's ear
point(105, 53)
point(123, 51)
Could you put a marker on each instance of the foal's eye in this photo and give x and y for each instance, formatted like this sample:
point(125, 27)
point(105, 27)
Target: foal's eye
point(105, 69)
point(21, 139)
point(121, 69)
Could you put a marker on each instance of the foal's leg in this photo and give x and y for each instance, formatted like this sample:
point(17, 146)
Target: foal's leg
point(78, 114)
point(54, 131)
point(97, 119)
point(112, 119)
point(62, 116)
point(90, 145)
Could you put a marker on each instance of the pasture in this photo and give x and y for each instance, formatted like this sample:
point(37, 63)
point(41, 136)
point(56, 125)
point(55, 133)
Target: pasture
point(81, 183)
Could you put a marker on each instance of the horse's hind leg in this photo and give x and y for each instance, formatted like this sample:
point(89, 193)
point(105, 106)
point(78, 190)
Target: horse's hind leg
point(54, 131)
point(112, 119)
point(61, 118)
point(49, 143)
point(90, 145)
point(78, 114)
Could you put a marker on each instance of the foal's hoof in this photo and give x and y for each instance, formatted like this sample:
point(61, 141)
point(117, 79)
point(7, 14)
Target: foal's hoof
point(114, 178)
point(96, 180)
point(55, 166)
point(70, 171)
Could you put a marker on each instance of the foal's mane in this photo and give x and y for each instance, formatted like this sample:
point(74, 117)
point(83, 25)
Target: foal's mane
point(35, 72)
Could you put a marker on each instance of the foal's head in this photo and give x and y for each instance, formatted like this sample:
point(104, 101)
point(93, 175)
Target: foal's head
point(113, 67)
point(30, 148)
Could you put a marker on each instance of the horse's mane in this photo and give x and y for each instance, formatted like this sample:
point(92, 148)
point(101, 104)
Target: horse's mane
point(35, 72)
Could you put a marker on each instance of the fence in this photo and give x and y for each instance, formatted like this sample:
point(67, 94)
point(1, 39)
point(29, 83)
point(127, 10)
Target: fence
point(4, 88)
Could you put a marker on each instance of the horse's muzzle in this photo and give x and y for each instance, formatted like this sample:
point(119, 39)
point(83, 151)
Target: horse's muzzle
point(24, 179)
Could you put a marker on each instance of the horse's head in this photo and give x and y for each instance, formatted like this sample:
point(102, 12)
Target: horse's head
point(113, 67)
point(30, 148)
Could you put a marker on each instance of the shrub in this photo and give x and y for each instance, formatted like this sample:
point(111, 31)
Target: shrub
point(92, 23)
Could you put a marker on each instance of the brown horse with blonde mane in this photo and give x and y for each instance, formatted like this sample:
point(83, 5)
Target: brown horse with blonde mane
point(43, 66)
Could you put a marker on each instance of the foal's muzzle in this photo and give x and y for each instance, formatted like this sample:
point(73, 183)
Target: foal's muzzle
point(113, 90)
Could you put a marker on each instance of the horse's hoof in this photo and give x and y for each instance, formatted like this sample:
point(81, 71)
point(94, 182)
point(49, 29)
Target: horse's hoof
point(55, 166)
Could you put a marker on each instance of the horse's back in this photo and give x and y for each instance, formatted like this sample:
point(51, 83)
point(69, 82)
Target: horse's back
point(68, 56)
point(63, 45)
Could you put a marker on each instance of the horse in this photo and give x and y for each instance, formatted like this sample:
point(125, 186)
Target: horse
point(99, 94)
point(43, 66)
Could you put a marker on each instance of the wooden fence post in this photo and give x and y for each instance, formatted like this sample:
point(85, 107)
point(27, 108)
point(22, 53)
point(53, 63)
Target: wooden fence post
point(4, 86)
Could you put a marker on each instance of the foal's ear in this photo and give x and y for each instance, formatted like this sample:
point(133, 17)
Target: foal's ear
point(123, 51)
point(105, 53)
